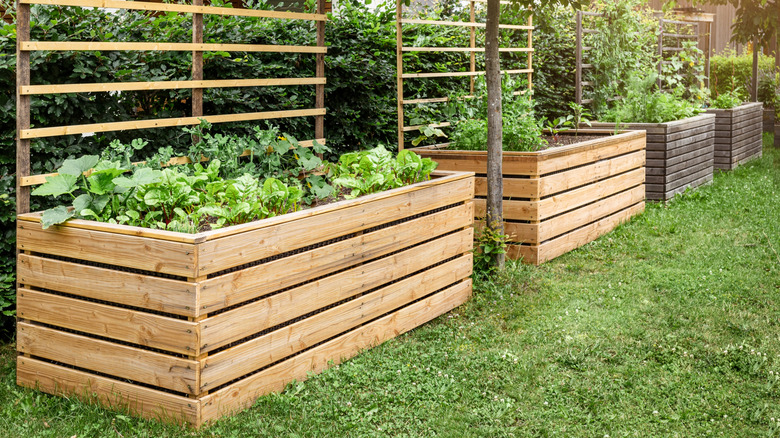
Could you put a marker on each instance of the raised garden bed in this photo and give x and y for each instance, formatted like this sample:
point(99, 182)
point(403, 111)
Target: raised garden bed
point(559, 199)
point(191, 327)
point(680, 154)
point(769, 120)
point(738, 134)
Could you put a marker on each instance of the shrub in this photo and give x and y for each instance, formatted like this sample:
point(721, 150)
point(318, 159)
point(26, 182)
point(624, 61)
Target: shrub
point(732, 72)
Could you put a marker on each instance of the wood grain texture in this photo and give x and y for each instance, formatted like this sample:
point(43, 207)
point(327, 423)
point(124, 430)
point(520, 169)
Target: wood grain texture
point(149, 330)
point(236, 361)
point(738, 135)
point(109, 393)
point(114, 249)
point(117, 360)
point(158, 46)
point(295, 230)
point(243, 393)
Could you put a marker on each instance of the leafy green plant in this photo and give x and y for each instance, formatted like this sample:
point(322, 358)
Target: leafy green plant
point(427, 132)
point(558, 125)
point(376, 169)
point(643, 103)
point(487, 244)
point(580, 116)
point(685, 70)
point(727, 100)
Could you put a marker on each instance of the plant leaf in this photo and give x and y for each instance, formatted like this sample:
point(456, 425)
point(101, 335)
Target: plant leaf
point(57, 185)
point(78, 166)
point(56, 215)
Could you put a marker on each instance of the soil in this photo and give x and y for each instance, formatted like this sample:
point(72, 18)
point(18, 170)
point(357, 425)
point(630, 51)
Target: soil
point(567, 139)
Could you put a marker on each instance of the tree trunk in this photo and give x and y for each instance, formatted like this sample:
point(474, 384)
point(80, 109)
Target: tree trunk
point(495, 215)
point(754, 79)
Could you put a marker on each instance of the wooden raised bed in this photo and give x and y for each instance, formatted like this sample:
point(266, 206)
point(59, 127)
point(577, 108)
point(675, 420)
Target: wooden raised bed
point(192, 327)
point(738, 134)
point(680, 154)
point(559, 199)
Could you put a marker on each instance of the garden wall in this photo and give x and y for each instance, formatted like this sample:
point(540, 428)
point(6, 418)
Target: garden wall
point(680, 154)
point(559, 199)
point(738, 134)
point(192, 327)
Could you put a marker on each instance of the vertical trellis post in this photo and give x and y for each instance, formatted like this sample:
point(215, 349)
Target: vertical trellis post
point(530, 59)
point(578, 61)
point(319, 121)
point(399, 67)
point(197, 63)
point(472, 45)
point(660, 51)
point(22, 107)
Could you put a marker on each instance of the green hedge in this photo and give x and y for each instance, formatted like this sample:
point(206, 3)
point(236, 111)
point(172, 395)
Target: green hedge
point(732, 72)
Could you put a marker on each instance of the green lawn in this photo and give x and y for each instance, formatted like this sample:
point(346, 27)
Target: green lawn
point(669, 326)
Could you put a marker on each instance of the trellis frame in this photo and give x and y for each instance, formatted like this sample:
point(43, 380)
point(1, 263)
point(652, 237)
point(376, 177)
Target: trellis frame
point(24, 90)
point(472, 24)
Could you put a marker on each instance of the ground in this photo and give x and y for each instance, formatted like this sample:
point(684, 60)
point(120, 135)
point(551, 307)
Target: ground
point(666, 327)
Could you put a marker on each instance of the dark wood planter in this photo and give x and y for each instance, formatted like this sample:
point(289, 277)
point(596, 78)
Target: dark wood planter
point(769, 120)
point(738, 133)
point(192, 327)
point(680, 154)
point(777, 135)
point(559, 199)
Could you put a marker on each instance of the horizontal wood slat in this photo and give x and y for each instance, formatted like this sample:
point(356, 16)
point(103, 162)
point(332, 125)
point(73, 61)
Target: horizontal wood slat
point(243, 393)
point(110, 393)
point(466, 49)
point(463, 24)
point(164, 85)
point(158, 46)
point(172, 7)
point(461, 73)
point(163, 123)
point(122, 361)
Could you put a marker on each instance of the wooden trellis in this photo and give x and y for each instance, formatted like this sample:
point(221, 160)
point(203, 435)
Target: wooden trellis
point(664, 35)
point(472, 50)
point(25, 90)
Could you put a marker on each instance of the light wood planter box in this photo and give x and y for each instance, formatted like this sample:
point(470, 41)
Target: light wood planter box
point(559, 199)
point(738, 134)
point(190, 328)
point(680, 154)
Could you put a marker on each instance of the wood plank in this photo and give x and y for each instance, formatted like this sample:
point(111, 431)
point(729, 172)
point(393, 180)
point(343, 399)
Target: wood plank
point(158, 46)
point(582, 216)
point(150, 330)
point(462, 24)
point(22, 108)
point(649, 128)
point(560, 182)
point(556, 247)
point(513, 187)
point(704, 179)
point(697, 173)
point(514, 164)
point(153, 293)
point(164, 85)
point(239, 286)
point(109, 393)
point(174, 7)
point(243, 393)
point(466, 49)
point(114, 249)
point(512, 209)
point(117, 360)
point(706, 144)
point(460, 73)
point(565, 157)
point(690, 123)
point(242, 359)
point(689, 135)
point(586, 194)
point(116, 229)
point(690, 159)
point(293, 303)
point(295, 231)
point(162, 123)
point(748, 156)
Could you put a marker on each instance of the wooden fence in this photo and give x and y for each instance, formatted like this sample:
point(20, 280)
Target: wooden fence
point(25, 90)
point(472, 25)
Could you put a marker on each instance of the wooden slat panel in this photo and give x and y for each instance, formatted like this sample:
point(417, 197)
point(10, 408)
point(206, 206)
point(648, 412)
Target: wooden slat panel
point(242, 394)
point(705, 144)
point(239, 286)
point(294, 230)
point(556, 183)
point(154, 46)
point(705, 178)
point(476, 161)
point(162, 123)
point(290, 304)
point(462, 23)
point(154, 293)
point(592, 152)
point(114, 249)
point(165, 85)
point(252, 355)
point(680, 137)
point(465, 49)
point(150, 330)
point(513, 187)
point(702, 138)
point(690, 123)
point(572, 199)
point(113, 394)
point(172, 7)
point(461, 73)
point(105, 357)
point(562, 224)
point(691, 174)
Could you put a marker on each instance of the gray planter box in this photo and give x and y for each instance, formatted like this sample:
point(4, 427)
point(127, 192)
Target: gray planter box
point(737, 134)
point(680, 154)
point(769, 120)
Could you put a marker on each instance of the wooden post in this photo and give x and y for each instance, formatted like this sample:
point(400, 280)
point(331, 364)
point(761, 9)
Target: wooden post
point(319, 121)
point(578, 62)
point(197, 64)
point(473, 45)
point(494, 219)
point(660, 52)
point(754, 79)
point(530, 54)
point(22, 107)
point(399, 65)
point(708, 43)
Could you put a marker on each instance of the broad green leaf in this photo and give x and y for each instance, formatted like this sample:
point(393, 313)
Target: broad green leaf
point(56, 215)
point(78, 166)
point(57, 185)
